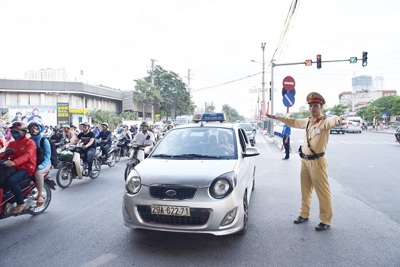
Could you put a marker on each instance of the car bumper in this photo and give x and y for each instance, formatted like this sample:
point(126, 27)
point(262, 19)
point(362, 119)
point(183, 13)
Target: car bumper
point(209, 213)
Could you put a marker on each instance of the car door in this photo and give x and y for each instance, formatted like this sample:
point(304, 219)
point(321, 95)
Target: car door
point(245, 165)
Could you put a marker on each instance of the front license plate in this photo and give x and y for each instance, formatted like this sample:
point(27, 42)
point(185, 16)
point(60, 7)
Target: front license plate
point(170, 210)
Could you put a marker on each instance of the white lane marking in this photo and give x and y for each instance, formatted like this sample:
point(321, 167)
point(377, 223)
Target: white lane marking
point(375, 143)
point(344, 142)
point(361, 143)
point(100, 260)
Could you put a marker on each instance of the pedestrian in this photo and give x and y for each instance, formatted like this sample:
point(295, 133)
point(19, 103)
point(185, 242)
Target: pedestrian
point(314, 164)
point(286, 140)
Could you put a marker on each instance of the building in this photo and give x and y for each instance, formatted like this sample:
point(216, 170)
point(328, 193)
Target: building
point(46, 75)
point(59, 102)
point(365, 89)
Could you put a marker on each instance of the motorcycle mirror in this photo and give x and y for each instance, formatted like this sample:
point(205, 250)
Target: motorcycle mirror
point(9, 152)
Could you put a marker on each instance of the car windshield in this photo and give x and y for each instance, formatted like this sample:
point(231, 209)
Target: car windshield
point(197, 142)
point(246, 126)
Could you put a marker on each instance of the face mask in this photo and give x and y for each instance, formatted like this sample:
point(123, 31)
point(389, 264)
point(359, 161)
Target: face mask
point(16, 135)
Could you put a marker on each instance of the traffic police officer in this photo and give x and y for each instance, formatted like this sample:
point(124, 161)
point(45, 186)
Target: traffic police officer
point(314, 165)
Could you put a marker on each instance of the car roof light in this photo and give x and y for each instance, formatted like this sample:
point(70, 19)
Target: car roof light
point(209, 117)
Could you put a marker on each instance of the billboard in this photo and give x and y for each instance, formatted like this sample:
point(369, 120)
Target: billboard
point(47, 114)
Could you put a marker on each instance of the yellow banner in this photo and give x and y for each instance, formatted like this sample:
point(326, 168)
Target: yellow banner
point(78, 111)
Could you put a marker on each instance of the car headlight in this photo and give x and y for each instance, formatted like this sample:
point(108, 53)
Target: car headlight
point(133, 182)
point(223, 185)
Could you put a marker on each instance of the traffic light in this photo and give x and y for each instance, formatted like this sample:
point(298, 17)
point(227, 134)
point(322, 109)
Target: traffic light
point(318, 61)
point(364, 59)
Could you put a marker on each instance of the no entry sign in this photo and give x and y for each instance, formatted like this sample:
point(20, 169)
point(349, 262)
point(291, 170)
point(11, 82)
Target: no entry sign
point(288, 83)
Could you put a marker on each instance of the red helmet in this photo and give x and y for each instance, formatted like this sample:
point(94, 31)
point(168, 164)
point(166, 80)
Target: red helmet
point(19, 125)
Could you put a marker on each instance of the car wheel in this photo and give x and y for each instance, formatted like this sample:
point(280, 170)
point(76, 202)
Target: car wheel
point(245, 215)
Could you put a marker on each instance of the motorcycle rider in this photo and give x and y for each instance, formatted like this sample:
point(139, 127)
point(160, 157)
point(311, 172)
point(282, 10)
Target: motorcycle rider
point(56, 137)
point(20, 165)
point(69, 135)
point(124, 139)
point(35, 130)
point(89, 146)
point(105, 140)
point(144, 138)
point(397, 134)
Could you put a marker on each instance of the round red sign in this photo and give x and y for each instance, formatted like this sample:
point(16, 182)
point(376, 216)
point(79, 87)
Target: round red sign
point(288, 83)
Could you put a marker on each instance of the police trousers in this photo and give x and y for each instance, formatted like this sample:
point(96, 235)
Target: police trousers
point(314, 174)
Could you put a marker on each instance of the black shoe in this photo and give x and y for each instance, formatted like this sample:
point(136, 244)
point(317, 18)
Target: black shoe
point(300, 220)
point(285, 158)
point(322, 227)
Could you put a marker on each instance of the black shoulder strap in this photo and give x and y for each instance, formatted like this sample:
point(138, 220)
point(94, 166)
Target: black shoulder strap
point(42, 142)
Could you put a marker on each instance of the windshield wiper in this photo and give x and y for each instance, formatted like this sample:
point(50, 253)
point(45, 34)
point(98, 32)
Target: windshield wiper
point(163, 156)
point(196, 156)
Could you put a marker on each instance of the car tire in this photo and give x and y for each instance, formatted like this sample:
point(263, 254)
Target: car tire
point(245, 216)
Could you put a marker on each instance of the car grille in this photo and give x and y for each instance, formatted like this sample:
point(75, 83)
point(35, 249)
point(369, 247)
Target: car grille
point(197, 217)
point(162, 192)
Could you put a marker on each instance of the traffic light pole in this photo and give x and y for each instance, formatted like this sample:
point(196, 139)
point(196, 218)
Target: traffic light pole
point(271, 129)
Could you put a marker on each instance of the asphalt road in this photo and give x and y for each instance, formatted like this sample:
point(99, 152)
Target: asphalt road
point(84, 227)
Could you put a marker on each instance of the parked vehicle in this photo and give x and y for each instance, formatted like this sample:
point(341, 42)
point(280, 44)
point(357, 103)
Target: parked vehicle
point(74, 167)
point(30, 194)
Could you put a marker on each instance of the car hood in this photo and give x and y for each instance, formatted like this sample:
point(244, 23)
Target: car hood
point(190, 172)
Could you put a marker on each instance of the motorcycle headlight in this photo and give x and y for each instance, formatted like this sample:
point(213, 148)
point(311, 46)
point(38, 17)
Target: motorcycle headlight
point(223, 185)
point(133, 182)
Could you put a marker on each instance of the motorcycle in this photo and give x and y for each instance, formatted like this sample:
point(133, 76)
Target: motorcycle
point(30, 194)
point(73, 166)
point(397, 135)
point(125, 147)
point(137, 155)
point(110, 155)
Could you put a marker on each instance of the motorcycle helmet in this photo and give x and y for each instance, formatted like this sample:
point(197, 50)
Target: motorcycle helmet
point(105, 124)
point(85, 124)
point(32, 123)
point(19, 125)
point(144, 123)
point(66, 126)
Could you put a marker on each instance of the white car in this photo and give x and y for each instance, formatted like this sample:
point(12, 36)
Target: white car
point(198, 179)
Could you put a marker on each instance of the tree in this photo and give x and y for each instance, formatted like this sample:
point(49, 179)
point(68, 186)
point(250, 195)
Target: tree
point(339, 109)
point(175, 98)
point(231, 114)
point(145, 92)
point(210, 108)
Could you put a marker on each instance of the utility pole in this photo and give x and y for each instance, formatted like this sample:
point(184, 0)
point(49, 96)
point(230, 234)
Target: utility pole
point(152, 84)
point(188, 83)
point(263, 87)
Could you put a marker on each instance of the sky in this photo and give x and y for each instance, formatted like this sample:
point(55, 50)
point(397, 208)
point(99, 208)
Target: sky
point(113, 43)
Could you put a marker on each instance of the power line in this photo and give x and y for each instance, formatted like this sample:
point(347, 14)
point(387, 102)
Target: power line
point(221, 84)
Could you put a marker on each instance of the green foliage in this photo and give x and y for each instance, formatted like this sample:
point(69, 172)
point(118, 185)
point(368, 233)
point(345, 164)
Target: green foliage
point(389, 104)
point(300, 115)
point(99, 116)
point(231, 114)
point(129, 115)
point(174, 97)
point(210, 108)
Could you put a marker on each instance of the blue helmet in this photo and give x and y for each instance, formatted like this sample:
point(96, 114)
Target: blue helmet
point(38, 124)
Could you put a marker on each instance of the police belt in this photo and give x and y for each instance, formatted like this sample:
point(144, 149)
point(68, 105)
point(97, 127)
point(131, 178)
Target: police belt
point(311, 157)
